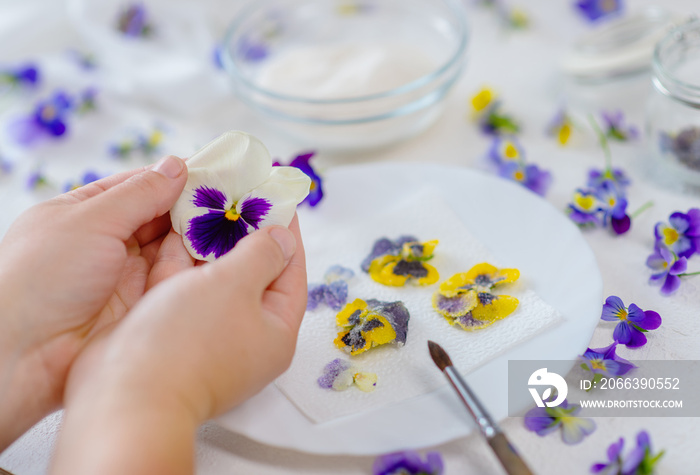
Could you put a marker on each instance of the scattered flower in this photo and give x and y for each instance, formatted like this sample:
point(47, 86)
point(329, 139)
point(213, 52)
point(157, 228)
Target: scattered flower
point(603, 362)
point(252, 50)
point(467, 300)
point(86, 61)
point(134, 22)
point(334, 292)
point(668, 269)
point(88, 177)
point(528, 175)
point(640, 460)
point(682, 233)
point(616, 129)
point(685, 146)
point(596, 9)
point(301, 162)
point(633, 322)
point(47, 120)
point(504, 150)
point(561, 126)
point(149, 143)
point(397, 262)
point(340, 374)
point(37, 179)
point(87, 101)
point(232, 189)
point(25, 76)
point(144, 143)
point(486, 110)
point(408, 463)
point(544, 420)
point(366, 324)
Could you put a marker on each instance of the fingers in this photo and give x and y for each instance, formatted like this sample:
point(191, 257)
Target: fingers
point(257, 260)
point(172, 258)
point(125, 207)
point(99, 186)
point(286, 296)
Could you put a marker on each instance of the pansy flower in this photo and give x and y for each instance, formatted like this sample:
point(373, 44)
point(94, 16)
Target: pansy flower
point(366, 324)
point(467, 300)
point(134, 22)
point(150, 142)
point(528, 175)
point(595, 9)
point(604, 362)
point(301, 162)
point(615, 127)
point(23, 76)
point(614, 207)
point(545, 420)
point(486, 110)
point(47, 120)
point(584, 208)
point(682, 233)
point(616, 176)
point(668, 269)
point(397, 262)
point(88, 177)
point(334, 292)
point(340, 374)
point(633, 321)
point(232, 189)
point(560, 127)
point(408, 463)
point(505, 149)
point(641, 460)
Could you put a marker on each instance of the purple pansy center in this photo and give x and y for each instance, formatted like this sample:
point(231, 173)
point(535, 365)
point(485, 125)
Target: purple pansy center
point(220, 229)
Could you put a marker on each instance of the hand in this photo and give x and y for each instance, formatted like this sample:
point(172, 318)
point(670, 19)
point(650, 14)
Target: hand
point(69, 267)
point(195, 345)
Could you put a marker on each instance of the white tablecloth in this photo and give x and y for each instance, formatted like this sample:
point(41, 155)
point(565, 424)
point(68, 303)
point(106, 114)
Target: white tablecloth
point(523, 67)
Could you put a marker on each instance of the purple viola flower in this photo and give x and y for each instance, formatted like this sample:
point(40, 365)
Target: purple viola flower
point(614, 207)
point(37, 179)
point(594, 10)
point(301, 162)
point(24, 76)
point(505, 149)
point(337, 375)
point(544, 420)
point(668, 269)
point(47, 120)
point(252, 50)
point(615, 127)
point(605, 362)
point(585, 208)
point(408, 463)
point(617, 176)
point(232, 189)
point(134, 22)
point(641, 460)
point(528, 175)
point(682, 233)
point(334, 292)
point(633, 322)
point(87, 101)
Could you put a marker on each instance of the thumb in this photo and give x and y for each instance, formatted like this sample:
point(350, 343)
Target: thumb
point(126, 207)
point(260, 257)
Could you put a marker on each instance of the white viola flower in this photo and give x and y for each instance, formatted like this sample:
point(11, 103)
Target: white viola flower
point(232, 189)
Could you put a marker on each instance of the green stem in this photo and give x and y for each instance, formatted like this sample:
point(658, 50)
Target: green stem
point(642, 209)
point(688, 274)
point(603, 142)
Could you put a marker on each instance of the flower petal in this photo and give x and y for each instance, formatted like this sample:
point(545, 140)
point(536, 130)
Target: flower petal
point(637, 339)
point(612, 309)
point(498, 308)
point(454, 306)
point(575, 429)
point(671, 284)
point(622, 333)
point(208, 234)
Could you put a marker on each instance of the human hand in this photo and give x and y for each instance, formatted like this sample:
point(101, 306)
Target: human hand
point(194, 346)
point(70, 266)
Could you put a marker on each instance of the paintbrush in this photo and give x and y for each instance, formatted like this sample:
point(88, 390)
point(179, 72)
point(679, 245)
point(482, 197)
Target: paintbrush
point(506, 453)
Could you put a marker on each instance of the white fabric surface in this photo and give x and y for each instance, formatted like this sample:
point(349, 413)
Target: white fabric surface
point(404, 372)
point(523, 66)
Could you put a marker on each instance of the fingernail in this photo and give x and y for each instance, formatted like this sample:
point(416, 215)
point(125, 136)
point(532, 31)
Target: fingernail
point(286, 241)
point(169, 166)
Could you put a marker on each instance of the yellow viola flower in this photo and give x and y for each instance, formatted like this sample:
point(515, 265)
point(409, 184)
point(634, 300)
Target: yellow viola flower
point(396, 262)
point(466, 299)
point(366, 324)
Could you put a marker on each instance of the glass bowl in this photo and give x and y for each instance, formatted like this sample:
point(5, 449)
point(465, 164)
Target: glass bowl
point(340, 74)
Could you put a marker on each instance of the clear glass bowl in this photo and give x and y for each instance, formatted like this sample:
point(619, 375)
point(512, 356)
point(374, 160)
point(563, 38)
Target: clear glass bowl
point(673, 109)
point(267, 30)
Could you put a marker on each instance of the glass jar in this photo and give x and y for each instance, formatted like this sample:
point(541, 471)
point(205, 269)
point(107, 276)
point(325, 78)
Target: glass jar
point(673, 109)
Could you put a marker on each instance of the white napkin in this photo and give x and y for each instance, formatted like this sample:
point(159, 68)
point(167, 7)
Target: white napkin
point(407, 371)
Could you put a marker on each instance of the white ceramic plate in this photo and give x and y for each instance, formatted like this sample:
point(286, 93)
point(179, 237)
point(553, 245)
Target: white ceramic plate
point(520, 228)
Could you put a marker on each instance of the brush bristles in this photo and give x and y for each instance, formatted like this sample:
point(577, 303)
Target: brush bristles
point(439, 355)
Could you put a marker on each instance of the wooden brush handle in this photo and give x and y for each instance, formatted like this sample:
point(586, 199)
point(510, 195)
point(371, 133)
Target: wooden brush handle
point(509, 458)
